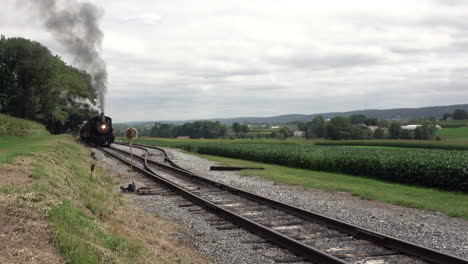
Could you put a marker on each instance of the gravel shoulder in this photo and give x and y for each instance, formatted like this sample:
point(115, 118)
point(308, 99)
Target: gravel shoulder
point(218, 246)
point(430, 229)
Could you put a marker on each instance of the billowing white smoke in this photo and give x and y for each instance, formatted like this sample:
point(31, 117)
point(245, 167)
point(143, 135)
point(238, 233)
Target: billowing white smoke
point(75, 24)
point(81, 103)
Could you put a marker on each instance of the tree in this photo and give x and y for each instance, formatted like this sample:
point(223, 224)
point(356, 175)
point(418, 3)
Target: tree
point(359, 132)
point(406, 134)
point(162, 131)
point(310, 133)
point(426, 131)
point(338, 128)
point(371, 122)
point(446, 116)
point(460, 114)
point(286, 132)
point(3, 101)
point(282, 133)
point(244, 128)
point(394, 130)
point(36, 85)
point(379, 133)
point(384, 123)
point(236, 127)
point(316, 128)
point(357, 119)
point(302, 126)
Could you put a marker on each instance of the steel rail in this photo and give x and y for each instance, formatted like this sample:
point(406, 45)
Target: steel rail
point(427, 254)
point(286, 242)
point(173, 164)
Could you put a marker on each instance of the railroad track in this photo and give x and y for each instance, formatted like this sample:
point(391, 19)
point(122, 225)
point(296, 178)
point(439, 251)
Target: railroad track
point(310, 236)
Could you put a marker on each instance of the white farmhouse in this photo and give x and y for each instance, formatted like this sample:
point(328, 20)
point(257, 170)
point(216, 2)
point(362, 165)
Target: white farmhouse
point(298, 133)
point(373, 128)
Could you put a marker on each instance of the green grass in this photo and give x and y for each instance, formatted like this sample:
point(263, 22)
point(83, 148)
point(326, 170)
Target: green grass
point(87, 217)
point(453, 123)
point(450, 203)
point(20, 137)
point(11, 146)
point(12, 126)
point(459, 134)
point(85, 242)
point(64, 168)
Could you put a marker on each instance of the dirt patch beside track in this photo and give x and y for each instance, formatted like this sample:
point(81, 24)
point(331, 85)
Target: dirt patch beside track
point(18, 172)
point(24, 233)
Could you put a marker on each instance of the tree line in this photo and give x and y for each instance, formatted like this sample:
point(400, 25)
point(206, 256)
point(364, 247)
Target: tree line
point(358, 127)
point(198, 129)
point(36, 85)
point(208, 130)
point(337, 128)
point(458, 114)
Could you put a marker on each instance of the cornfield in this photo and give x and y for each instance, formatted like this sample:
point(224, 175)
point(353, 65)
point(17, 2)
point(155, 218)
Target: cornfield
point(443, 169)
point(397, 143)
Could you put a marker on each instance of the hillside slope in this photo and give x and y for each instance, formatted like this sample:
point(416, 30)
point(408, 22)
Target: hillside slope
point(12, 126)
point(396, 113)
point(53, 211)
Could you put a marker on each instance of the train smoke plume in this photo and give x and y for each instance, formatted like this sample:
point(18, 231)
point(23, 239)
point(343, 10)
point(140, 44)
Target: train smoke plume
point(75, 24)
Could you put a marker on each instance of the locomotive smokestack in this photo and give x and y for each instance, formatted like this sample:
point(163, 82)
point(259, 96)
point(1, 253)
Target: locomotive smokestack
point(103, 118)
point(74, 24)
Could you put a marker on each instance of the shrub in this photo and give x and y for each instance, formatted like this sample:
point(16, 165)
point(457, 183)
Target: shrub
point(379, 133)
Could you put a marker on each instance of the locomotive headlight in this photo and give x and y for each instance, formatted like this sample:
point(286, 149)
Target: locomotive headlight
point(103, 127)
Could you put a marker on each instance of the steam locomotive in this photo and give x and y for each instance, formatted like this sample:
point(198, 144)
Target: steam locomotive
point(98, 131)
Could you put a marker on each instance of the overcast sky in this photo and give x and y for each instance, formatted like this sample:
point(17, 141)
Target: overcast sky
point(178, 60)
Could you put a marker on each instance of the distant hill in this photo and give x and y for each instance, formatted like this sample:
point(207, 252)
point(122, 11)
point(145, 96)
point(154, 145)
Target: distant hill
point(396, 113)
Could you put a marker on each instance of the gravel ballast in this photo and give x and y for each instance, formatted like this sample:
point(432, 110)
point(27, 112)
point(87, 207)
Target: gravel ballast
point(220, 246)
point(430, 229)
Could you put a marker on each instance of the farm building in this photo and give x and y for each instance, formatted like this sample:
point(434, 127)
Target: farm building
point(413, 127)
point(298, 133)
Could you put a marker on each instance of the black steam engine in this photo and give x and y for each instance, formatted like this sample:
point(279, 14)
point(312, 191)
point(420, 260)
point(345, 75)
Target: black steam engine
point(98, 131)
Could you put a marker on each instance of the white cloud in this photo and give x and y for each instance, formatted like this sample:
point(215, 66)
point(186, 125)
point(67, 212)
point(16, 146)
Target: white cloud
point(145, 18)
point(219, 58)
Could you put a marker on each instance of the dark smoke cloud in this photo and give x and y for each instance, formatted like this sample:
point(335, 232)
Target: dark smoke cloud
point(75, 24)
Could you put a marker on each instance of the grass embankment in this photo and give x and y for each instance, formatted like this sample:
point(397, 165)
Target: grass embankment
point(11, 147)
point(19, 136)
point(89, 221)
point(449, 203)
point(12, 126)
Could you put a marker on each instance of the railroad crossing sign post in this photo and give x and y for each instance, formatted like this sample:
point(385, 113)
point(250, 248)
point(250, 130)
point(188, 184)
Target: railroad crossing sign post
point(131, 134)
